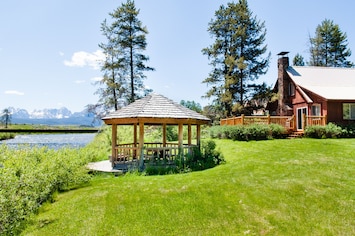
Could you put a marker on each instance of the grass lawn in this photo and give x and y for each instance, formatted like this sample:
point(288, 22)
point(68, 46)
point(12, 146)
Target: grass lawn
point(276, 187)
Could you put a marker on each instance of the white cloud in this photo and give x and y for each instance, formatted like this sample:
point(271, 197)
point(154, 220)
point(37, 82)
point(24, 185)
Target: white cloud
point(61, 54)
point(96, 79)
point(14, 92)
point(79, 81)
point(81, 59)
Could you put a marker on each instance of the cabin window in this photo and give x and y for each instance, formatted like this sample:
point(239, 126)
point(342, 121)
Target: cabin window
point(315, 111)
point(349, 111)
point(291, 89)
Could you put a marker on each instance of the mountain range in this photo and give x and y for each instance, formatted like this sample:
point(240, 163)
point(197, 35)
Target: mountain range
point(53, 116)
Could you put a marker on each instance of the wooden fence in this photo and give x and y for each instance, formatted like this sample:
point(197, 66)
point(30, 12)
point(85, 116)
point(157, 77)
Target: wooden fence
point(289, 122)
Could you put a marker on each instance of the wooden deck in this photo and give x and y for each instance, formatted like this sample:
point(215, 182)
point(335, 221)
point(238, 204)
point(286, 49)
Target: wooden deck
point(289, 122)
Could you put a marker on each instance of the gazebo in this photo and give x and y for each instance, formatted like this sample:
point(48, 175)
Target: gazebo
point(153, 109)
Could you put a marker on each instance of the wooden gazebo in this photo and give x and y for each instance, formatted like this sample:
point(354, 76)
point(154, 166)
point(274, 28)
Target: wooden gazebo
point(153, 109)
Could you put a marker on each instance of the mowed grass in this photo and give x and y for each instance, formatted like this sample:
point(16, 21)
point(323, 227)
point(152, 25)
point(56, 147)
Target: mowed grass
point(276, 187)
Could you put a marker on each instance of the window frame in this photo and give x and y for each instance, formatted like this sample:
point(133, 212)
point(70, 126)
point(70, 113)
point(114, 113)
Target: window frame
point(291, 89)
point(348, 114)
point(318, 108)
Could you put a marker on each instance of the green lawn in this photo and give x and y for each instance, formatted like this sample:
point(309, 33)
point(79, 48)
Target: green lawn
point(277, 187)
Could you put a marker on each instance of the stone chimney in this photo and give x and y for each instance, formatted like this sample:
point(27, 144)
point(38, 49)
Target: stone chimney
point(282, 78)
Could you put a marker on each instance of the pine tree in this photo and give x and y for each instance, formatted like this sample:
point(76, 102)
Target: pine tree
point(329, 46)
point(298, 60)
point(124, 65)
point(6, 117)
point(236, 55)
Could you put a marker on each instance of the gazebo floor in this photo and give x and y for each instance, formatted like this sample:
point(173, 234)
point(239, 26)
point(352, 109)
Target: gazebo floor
point(123, 166)
point(103, 166)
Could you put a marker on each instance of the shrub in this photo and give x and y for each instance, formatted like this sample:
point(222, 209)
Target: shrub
point(4, 136)
point(248, 132)
point(202, 159)
point(348, 131)
point(30, 177)
point(329, 131)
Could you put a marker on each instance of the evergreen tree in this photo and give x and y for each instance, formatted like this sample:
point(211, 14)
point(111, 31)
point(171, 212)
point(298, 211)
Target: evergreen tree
point(124, 65)
point(6, 117)
point(298, 60)
point(329, 46)
point(192, 105)
point(236, 55)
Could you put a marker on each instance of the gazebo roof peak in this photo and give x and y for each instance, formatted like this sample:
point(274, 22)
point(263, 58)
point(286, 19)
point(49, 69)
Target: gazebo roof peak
point(155, 107)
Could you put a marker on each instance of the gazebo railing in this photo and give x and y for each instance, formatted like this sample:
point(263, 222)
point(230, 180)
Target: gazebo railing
point(152, 152)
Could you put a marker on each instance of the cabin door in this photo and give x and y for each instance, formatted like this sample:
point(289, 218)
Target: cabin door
point(301, 112)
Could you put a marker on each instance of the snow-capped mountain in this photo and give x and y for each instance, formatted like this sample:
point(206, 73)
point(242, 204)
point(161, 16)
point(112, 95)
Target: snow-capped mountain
point(51, 113)
point(52, 116)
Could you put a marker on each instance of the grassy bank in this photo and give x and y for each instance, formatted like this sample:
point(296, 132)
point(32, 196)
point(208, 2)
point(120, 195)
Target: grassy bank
point(277, 187)
point(4, 136)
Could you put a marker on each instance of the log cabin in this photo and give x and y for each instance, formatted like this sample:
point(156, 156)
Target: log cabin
point(316, 92)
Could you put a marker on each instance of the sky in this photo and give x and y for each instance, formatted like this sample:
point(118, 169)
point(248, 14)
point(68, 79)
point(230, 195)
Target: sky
point(49, 49)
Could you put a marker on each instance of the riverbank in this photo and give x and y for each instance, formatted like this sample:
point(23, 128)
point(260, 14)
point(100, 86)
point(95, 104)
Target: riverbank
point(5, 136)
point(30, 128)
point(51, 130)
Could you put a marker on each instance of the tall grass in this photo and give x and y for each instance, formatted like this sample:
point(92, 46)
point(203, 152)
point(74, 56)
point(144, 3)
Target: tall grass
point(276, 187)
point(30, 177)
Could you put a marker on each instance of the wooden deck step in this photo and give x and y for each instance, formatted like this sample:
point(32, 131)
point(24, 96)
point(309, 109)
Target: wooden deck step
point(296, 134)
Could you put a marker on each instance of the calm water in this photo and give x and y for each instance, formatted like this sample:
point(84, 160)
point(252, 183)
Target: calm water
point(53, 141)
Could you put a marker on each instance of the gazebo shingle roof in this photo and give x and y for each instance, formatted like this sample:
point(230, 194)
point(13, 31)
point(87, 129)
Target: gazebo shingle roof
point(155, 106)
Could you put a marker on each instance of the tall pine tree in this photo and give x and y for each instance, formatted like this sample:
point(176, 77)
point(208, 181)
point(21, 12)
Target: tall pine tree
point(236, 55)
point(329, 46)
point(124, 65)
point(298, 60)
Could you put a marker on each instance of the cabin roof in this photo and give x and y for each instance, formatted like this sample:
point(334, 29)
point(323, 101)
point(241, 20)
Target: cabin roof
point(155, 106)
point(328, 82)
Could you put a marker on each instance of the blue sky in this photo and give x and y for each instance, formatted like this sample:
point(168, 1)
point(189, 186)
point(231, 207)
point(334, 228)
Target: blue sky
point(48, 49)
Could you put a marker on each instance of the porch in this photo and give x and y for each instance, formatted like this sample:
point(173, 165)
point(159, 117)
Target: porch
point(290, 123)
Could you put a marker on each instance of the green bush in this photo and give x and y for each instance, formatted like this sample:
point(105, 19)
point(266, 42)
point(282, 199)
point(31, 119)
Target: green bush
point(329, 131)
point(30, 177)
point(248, 132)
point(348, 131)
point(207, 157)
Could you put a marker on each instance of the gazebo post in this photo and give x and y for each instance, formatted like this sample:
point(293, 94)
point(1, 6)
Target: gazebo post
point(189, 134)
point(141, 145)
point(181, 137)
point(135, 139)
point(198, 136)
point(114, 144)
point(164, 135)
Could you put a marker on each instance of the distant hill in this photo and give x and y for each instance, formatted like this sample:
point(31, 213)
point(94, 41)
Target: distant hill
point(61, 116)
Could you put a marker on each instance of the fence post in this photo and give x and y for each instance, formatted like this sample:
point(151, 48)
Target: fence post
point(268, 119)
point(242, 119)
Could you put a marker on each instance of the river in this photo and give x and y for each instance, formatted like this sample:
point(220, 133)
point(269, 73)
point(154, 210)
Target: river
point(52, 141)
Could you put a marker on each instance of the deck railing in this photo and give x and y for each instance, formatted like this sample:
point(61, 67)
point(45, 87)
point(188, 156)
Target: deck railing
point(315, 120)
point(286, 121)
point(289, 122)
